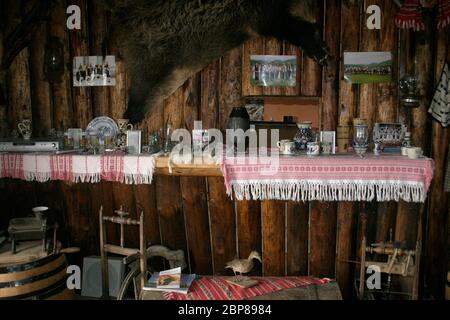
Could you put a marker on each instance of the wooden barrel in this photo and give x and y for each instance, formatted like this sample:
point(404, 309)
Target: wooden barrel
point(40, 279)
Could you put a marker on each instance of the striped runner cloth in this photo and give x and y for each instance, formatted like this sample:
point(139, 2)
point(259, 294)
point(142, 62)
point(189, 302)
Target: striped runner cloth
point(217, 288)
point(113, 167)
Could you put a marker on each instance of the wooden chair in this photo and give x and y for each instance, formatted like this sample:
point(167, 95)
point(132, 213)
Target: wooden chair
point(106, 248)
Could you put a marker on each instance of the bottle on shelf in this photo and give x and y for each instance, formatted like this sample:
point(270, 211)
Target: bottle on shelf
point(406, 143)
point(407, 140)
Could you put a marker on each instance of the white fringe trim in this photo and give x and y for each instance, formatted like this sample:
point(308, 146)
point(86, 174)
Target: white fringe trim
point(40, 177)
point(138, 179)
point(87, 178)
point(308, 190)
point(91, 178)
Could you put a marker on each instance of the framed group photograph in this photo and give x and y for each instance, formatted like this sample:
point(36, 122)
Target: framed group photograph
point(94, 71)
point(367, 67)
point(273, 71)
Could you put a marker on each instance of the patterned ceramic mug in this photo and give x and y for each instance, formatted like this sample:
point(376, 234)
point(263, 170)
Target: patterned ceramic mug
point(286, 146)
point(313, 149)
point(414, 152)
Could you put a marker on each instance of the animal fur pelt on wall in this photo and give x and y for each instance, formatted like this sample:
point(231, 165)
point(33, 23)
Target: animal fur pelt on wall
point(164, 42)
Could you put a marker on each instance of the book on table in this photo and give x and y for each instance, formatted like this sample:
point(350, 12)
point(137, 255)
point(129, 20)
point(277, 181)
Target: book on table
point(170, 281)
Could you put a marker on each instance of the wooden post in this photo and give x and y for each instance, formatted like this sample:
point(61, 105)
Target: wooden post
point(223, 225)
point(195, 207)
point(273, 235)
point(42, 111)
point(4, 130)
point(330, 85)
point(119, 93)
point(143, 250)
point(191, 101)
point(230, 85)
point(248, 222)
point(19, 89)
point(424, 72)
point(61, 93)
point(79, 40)
point(362, 271)
point(346, 247)
point(210, 95)
point(171, 216)
point(350, 34)
point(145, 199)
point(173, 109)
point(98, 30)
point(104, 257)
point(387, 216)
point(387, 102)
point(436, 257)
point(322, 239)
point(312, 72)
point(368, 92)
point(297, 228)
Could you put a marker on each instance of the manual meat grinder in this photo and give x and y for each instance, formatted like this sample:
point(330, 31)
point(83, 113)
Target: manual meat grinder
point(30, 228)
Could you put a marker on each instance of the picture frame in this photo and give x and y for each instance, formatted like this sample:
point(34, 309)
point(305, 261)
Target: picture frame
point(329, 136)
point(368, 67)
point(273, 70)
point(94, 71)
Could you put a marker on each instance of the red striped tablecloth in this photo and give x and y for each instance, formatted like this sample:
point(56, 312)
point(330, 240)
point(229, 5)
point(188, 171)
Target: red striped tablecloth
point(217, 288)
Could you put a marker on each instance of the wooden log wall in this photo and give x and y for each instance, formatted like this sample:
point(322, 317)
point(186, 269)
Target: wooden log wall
point(194, 213)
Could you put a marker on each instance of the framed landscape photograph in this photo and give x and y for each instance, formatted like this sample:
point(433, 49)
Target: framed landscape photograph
point(367, 67)
point(273, 71)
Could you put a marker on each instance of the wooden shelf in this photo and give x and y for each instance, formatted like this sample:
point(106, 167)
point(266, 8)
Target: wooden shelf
point(192, 170)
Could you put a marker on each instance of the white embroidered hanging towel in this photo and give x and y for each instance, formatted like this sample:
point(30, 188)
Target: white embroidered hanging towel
point(440, 106)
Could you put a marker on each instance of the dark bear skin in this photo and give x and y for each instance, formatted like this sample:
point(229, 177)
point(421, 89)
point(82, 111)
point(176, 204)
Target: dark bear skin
point(163, 42)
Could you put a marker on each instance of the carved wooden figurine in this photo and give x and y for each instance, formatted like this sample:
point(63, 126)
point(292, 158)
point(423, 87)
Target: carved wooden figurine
point(243, 266)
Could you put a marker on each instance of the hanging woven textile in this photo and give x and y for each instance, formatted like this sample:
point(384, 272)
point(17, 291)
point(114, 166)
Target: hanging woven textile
point(440, 106)
point(410, 16)
point(443, 14)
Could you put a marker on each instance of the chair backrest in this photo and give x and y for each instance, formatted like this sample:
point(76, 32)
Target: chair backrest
point(106, 248)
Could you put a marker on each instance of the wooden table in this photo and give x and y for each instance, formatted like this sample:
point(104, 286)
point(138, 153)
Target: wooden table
point(328, 291)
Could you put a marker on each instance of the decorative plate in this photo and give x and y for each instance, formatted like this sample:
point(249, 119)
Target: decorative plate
point(103, 126)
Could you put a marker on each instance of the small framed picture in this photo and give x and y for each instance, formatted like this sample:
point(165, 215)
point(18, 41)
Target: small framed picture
point(273, 71)
point(329, 136)
point(367, 67)
point(94, 71)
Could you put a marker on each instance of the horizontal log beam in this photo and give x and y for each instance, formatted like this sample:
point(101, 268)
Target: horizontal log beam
point(186, 170)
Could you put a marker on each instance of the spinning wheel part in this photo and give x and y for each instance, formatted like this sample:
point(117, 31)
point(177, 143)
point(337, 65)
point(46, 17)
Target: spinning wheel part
point(401, 262)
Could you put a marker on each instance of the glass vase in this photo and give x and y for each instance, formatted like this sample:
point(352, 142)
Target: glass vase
point(360, 139)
